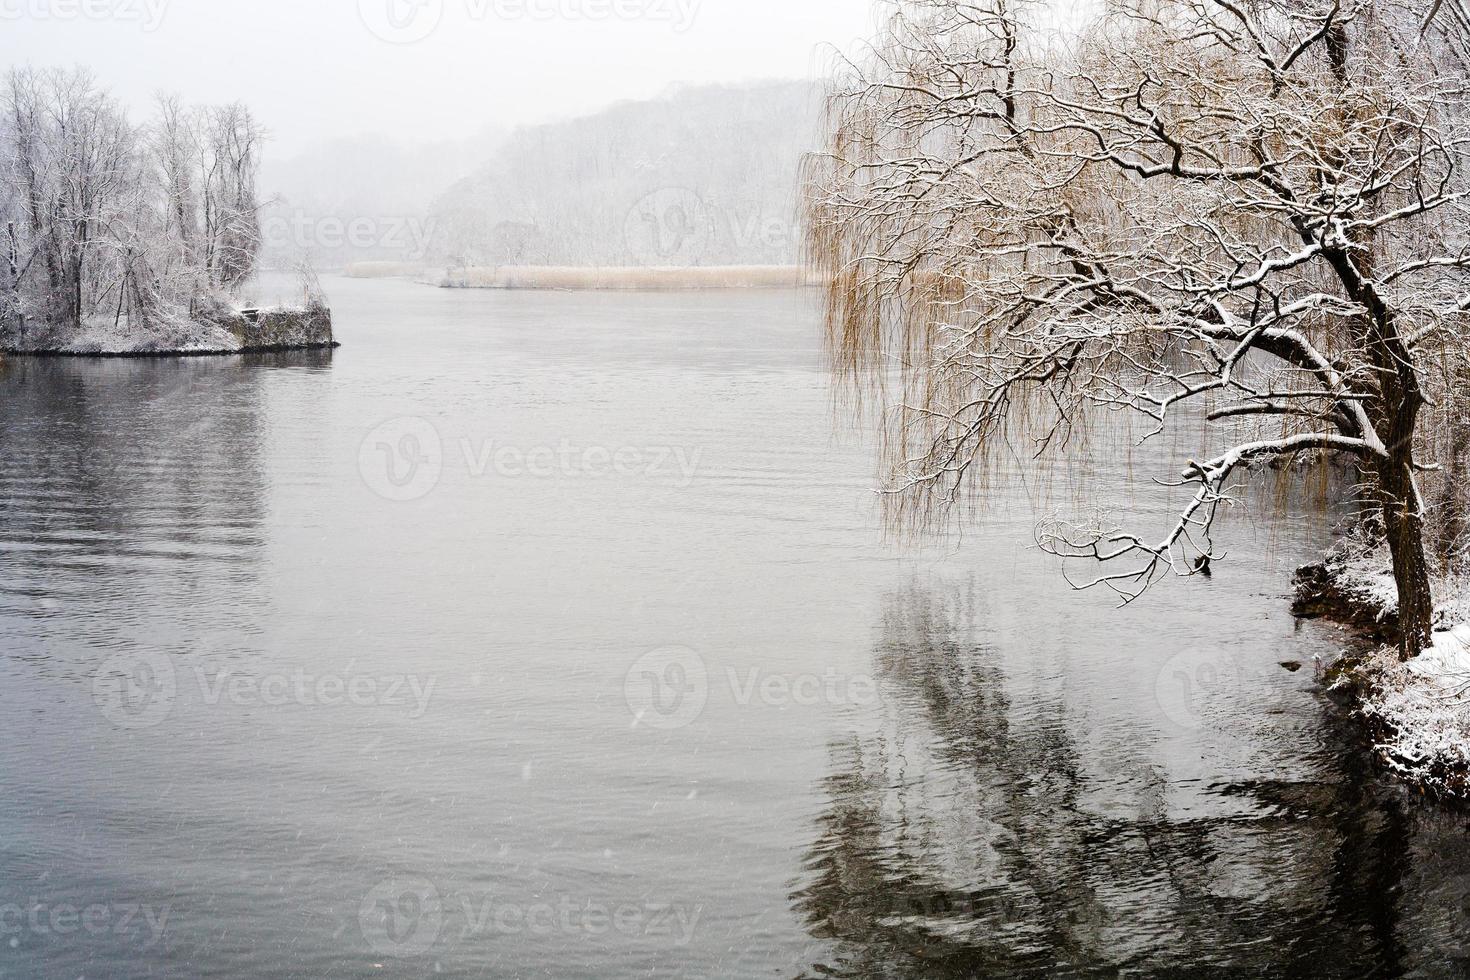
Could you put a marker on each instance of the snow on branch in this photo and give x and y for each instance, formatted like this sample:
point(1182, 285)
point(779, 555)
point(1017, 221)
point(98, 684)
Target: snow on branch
point(1251, 214)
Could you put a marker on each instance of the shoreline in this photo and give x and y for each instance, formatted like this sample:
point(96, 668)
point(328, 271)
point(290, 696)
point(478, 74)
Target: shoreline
point(207, 352)
point(1402, 709)
point(220, 334)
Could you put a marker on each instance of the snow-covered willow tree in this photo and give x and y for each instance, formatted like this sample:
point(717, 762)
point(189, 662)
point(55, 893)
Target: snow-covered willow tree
point(104, 218)
point(1249, 211)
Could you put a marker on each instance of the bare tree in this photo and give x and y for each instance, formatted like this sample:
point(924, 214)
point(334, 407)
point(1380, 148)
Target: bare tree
point(176, 147)
point(208, 159)
point(1246, 210)
point(74, 159)
point(25, 166)
point(232, 209)
point(113, 221)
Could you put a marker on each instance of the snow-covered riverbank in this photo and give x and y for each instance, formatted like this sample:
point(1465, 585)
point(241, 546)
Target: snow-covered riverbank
point(1418, 712)
point(229, 332)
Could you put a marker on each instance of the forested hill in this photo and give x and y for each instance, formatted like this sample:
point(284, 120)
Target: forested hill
point(704, 176)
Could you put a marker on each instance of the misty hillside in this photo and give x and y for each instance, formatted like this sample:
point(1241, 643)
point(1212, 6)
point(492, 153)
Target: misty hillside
point(360, 198)
point(704, 176)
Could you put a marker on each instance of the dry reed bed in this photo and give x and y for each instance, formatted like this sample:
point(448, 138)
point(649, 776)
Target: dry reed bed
point(384, 270)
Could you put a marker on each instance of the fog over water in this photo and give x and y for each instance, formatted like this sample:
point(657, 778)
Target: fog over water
point(509, 594)
point(377, 110)
point(424, 70)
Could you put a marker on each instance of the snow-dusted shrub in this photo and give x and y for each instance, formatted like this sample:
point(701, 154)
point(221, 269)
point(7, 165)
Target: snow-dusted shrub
point(1420, 711)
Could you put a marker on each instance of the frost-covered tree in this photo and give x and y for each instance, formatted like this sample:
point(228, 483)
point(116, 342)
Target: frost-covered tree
point(105, 219)
point(176, 146)
point(71, 164)
point(230, 165)
point(1246, 210)
point(208, 161)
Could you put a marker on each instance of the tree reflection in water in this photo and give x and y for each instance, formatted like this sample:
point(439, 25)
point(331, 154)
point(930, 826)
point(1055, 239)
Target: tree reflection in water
point(960, 839)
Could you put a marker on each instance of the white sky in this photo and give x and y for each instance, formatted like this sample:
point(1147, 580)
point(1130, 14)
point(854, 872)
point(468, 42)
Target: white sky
point(313, 69)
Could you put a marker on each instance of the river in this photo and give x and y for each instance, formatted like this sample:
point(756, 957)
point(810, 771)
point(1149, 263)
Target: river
point(540, 634)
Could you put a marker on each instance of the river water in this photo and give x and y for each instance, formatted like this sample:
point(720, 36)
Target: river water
point(556, 635)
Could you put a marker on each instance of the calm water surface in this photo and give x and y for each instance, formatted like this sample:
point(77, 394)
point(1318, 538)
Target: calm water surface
point(536, 635)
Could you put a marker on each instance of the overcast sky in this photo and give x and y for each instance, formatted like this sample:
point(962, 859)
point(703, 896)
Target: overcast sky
point(422, 69)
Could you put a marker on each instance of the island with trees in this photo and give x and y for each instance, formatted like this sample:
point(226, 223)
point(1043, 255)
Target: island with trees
point(124, 239)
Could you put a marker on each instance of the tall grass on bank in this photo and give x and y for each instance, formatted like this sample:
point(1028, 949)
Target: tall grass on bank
point(384, 270)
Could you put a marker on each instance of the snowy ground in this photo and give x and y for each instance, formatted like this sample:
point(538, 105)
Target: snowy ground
point(1420, 710)
point(1423, 711)
point(104, 336)
point(179, 335)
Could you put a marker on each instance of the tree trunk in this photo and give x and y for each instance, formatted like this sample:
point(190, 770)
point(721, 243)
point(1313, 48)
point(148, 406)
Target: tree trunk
point(1395, 414)
point(1403, 524)
point(74, 294)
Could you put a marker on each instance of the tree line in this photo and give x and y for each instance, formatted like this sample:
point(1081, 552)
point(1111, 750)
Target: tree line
point(139, 223)
point(706, 175)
